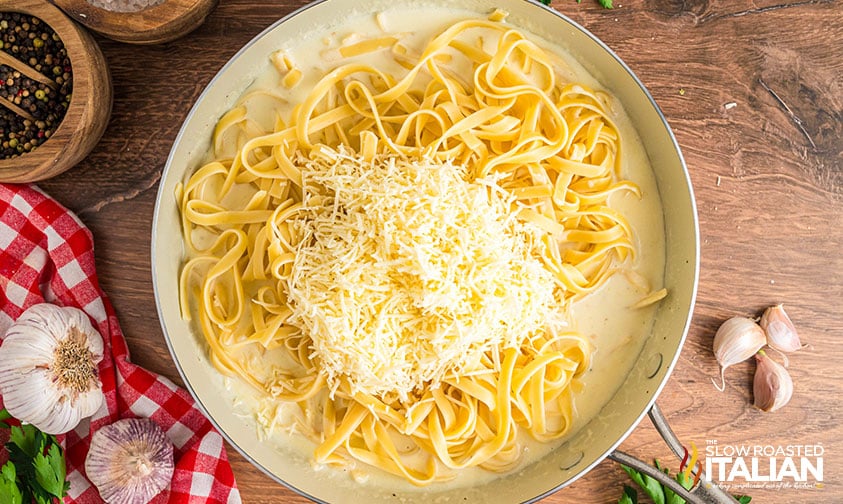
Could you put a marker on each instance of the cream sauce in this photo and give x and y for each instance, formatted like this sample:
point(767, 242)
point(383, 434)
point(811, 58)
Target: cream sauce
point(617, 331)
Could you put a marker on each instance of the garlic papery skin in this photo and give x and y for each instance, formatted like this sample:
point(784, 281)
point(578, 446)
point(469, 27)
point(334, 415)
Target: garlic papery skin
point(737, 339)
point(130, 461)
point(48, 368)
point(781, 334)
point(772, 385)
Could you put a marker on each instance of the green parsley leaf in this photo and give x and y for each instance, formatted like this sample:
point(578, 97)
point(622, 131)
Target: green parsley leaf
point(9, 491)
point(546, 2)
point(630, 496)
point(670, 496)
point(24, 438)
point(663, 495)
point(37, 469)
point(651, 486)
point(606, 4)
point(50, 471)
point(42, 497)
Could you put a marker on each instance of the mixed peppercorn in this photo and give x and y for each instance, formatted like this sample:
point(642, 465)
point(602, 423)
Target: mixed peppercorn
point(35, 86)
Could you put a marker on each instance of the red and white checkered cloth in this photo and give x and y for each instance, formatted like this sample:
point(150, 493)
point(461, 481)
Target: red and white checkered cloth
point(47, 254)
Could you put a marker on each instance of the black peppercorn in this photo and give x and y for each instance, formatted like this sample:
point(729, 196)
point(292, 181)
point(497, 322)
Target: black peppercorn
point(32, 102)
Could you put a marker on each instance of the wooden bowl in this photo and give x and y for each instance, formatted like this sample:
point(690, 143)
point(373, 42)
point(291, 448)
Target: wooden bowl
point(90, 104)
point(160, 23)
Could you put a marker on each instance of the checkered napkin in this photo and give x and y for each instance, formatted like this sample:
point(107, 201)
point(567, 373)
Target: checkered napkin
point(46, 254)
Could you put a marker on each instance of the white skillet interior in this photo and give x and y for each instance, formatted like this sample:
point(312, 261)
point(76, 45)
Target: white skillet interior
point(593, 441)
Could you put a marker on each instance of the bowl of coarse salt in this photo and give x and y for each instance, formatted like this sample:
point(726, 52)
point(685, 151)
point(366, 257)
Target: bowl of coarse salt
point(139, 21)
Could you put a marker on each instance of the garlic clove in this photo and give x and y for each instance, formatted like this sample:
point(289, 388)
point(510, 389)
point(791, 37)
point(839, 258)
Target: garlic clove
point(48, 368)
point(27, 396)
point(781, 333)
point(772, 385)
point(737, 339)
point(85, 405)
point(89, 402)
point(32, 346)
point(130, 461)
point(58, 418)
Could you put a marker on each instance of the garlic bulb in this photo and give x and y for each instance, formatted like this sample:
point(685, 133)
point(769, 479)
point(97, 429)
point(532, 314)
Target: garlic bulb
point(781, 334)
point(772, 385)
point(130, 461)
point(48, 368)
point(737, 339)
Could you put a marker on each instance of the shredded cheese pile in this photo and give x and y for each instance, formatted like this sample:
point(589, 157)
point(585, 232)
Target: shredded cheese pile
point(407, 274)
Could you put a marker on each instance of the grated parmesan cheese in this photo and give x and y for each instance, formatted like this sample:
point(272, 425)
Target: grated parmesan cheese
point(406, 273)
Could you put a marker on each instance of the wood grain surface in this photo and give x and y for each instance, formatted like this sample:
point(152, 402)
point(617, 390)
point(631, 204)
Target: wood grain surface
point(754, 94)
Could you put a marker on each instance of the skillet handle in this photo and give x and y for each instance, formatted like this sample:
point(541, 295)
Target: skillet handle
point(707, 492)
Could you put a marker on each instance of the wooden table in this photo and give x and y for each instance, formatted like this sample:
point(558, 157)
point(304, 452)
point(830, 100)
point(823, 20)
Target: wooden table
point(754, 93)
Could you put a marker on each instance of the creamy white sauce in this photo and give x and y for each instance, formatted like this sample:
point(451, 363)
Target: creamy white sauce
point(617, 331)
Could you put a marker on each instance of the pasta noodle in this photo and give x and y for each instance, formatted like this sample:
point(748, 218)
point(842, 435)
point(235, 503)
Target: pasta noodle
point(550, 147)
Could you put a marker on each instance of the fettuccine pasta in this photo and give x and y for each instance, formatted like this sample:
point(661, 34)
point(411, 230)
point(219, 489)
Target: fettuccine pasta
point(541, 156)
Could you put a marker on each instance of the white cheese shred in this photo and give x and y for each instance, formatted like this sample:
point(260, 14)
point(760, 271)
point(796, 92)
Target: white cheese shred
point(407, 274)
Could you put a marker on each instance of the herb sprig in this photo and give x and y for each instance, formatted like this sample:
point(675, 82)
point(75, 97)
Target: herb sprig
point(36, 470)
point(606, 4)
point(659, 493)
